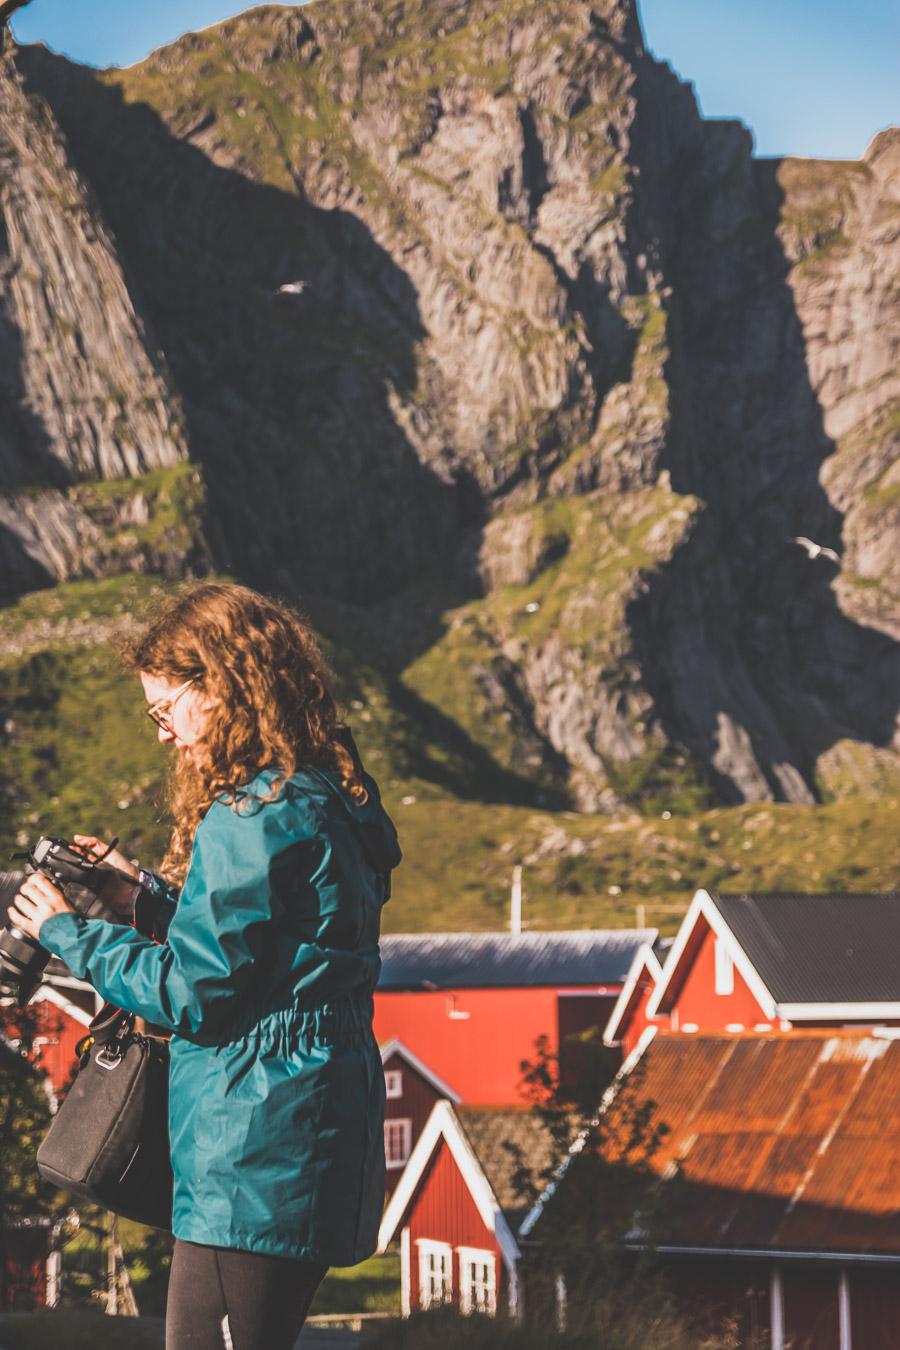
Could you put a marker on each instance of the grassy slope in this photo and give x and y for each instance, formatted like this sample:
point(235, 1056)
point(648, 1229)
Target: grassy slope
point(78, 755)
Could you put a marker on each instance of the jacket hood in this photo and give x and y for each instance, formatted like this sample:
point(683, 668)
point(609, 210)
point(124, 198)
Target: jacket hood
point(374, 827)
point(369, 821)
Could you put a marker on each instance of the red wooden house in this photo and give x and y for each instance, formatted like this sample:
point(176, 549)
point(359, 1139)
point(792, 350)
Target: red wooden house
point(628, 1020)
point(23, 1279)
point(472, 1005)
point(769, 961)
point(786, 1209)
point(456, 1207)
point(412, 1092)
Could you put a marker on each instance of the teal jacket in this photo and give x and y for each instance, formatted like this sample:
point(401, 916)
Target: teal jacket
point(265, 980)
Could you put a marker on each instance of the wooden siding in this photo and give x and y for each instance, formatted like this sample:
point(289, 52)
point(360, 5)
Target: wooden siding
point(415, 1104)
point(55, 1036)
point(635, 1020)
point(697, 1003)
point(721, 1288)
point(811, 1309)
point(444, 1211)
point(474, 1039)
point(874, 1307)
point(25, 1276)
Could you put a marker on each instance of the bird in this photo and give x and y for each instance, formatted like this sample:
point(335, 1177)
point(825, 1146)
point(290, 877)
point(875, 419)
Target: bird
point(816, 550)
point(292, 288)
point(7, 10)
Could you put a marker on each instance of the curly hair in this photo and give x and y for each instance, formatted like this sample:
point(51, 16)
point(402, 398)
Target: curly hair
point(271, 705)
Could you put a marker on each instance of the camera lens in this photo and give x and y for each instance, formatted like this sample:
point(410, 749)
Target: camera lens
point(22, 962)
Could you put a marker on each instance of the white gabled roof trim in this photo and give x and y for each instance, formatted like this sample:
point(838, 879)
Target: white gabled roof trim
point(577, 1145)
point(831, 1012)
point(644, 959)
point(443, 1123)
point(47, 994)
point(702, 906)
point(396, 1047)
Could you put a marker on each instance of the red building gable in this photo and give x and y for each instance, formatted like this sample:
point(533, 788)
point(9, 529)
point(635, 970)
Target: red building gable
point(411, 1091)
point(760, 961)
point(57, 1025)
point(456, 1207)
point(473, 1005)
point(629, 1019)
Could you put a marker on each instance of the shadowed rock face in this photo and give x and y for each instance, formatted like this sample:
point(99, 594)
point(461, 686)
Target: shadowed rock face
point(560, 343)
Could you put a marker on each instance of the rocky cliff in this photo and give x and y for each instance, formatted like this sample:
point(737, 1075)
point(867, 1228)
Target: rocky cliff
point(479, 335)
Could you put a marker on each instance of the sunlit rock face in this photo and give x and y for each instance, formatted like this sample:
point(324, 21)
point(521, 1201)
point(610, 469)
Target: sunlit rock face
point(567, 366)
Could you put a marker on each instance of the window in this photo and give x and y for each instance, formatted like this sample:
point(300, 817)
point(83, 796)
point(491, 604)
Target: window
point(393, 1083)
point(724, 969)
point(435, 1273)
point(397, 1142)
point(477, 1281)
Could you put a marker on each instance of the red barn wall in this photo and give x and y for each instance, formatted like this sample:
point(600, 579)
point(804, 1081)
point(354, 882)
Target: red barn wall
point(476, 1050)
point(26, 1280)
point(874, 1308)
point(444, 1211)
point(697, 1001)
point(810, 1300)
point(59, 1034)
point(55, 1036)
point(416, 1105)
point(811, 1319)
point(726, 1289)
point(635, 1022)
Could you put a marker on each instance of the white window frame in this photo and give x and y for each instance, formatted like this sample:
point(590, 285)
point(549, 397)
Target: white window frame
point(485, 1297)
point(393, 1083)
point(435, 1273)
point(724, 969)
point(404, 1129)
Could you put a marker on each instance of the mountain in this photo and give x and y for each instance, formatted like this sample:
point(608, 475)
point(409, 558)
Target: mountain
point(568, 373)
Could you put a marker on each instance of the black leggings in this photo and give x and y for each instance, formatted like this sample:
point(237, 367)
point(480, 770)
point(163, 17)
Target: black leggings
point(220, 1299)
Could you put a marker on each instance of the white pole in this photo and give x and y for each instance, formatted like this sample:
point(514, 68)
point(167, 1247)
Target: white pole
point(641, 916)
point(776, 1309)
point(54, 1277)
point(515, 910)
point(562, 1302)
point(844, 1307)
point(112, 1293)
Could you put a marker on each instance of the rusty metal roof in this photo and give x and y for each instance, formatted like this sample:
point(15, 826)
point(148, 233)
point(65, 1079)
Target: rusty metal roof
point(495, 960)
point(516, 1151)
point(784, 1140)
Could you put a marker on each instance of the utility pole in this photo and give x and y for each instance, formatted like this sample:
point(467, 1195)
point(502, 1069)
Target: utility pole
point(515, 908)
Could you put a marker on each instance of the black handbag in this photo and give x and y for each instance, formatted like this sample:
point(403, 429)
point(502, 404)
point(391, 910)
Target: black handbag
point(109, 1140)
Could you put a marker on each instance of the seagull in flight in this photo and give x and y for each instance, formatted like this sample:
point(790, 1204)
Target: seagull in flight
point(817, 550)
point(292, 288)
point(7, 10)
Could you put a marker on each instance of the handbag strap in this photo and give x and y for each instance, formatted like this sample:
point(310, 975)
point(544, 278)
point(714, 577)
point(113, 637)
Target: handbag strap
point(111, 1023)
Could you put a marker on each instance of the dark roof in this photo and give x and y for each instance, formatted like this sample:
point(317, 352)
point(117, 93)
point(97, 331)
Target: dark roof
point(496, 960)
point(820, 948)
point(780, 1140)
point(516, 1152)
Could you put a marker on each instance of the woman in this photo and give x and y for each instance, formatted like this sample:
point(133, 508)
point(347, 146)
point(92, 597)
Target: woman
point(263, 970)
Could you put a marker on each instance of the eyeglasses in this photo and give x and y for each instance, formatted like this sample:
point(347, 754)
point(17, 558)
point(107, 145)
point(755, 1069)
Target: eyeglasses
point(161, 711)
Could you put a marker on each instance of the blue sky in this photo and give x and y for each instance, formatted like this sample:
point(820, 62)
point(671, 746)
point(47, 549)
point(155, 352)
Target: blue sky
point(810, 77)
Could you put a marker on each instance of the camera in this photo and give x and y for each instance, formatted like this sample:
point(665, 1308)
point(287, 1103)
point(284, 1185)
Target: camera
point(81, 877)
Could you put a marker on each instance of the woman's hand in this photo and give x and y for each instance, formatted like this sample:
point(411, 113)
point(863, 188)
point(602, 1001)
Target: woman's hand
point(123, 875)
point(35, 903)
